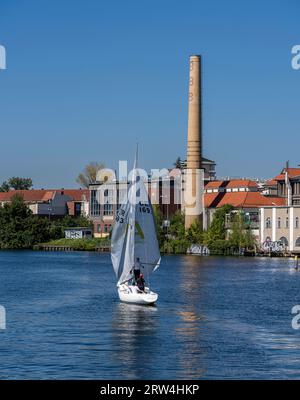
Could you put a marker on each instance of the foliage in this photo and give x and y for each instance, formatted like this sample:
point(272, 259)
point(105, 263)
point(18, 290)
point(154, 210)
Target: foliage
point(80, 244)
point(217, 230)
point(240, 236)
point(19, 228)
point(58, 226)
point(89, 174)
point(16, 183)
point(178, 163)
point(195, 234)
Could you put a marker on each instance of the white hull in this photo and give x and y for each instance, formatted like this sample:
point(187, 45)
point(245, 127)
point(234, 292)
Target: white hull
point(131, 294)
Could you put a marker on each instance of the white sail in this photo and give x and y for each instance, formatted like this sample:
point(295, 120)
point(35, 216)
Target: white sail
point(134, 233)
point(146, 244)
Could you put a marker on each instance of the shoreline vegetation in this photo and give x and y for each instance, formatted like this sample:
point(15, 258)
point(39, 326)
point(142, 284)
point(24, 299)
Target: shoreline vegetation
point(20, 229)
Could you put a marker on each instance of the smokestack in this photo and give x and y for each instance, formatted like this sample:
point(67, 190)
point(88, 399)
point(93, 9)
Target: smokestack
point(194, 182)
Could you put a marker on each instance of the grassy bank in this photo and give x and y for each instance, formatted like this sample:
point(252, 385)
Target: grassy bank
point(79, 244)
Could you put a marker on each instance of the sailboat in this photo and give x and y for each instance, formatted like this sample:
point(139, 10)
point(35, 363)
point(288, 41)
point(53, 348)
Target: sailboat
point(134, 238)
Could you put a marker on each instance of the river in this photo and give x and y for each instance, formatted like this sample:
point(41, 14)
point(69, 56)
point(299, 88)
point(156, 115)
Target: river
point(216, 318)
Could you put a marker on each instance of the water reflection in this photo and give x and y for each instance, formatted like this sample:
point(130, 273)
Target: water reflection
point(134, 334)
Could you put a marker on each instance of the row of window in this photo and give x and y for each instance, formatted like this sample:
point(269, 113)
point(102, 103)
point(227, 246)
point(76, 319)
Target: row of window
point(285, 241)
point(104, 228)
point(282, 224)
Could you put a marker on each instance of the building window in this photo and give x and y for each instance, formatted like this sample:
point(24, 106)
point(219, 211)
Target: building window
point(77, 209)
point(268, 223)
point(284, 241)
point(279, 223)
point(297, 222)
point(108, 209)
point(95, 206)
point(298, 242)
point(107, 228)
point(287, 222)
point(98, 228)
point(109, 201)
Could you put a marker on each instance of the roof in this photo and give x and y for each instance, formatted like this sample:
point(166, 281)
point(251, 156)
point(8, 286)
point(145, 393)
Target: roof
point(249, 200)
point(231, 184)
point(210, 199)
point(28, 195)
point(76, 194)
point(241, 183)
point(215, 184)
point(271, 182)
point(292, 173)
point(41, 195)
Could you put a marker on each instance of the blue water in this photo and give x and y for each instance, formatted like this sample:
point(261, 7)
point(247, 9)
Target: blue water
point(216, 318)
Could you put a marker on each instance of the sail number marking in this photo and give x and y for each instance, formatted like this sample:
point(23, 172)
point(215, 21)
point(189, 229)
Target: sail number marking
point(120, 216)
point(144, 208)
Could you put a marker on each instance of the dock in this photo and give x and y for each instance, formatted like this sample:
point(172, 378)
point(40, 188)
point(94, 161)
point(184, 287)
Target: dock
point(46, 247)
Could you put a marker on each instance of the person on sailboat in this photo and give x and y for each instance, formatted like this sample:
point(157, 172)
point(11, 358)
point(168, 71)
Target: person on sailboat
point(141, 283)
point(137, 268)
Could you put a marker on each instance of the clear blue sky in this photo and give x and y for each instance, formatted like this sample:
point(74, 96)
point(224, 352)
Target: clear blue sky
point(87, 79)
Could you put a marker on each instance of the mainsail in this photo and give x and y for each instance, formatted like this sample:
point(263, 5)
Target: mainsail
point(134, 233)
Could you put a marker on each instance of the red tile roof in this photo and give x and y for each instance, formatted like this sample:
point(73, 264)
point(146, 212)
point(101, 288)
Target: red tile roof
point(249, 200)
point(271, 182)
point(292, 173)
point(240, 183)
point(45, 195)
point(214, 184)
point(28, 195)
point(209, 199)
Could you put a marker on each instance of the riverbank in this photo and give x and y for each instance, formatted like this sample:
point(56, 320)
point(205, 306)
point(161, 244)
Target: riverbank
point(95, 244)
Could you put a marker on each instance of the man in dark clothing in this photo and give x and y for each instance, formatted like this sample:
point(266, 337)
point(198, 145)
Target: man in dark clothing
point(141, 282)
point(137, 268)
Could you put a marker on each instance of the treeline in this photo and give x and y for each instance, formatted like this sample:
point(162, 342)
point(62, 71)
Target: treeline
point(20, 229)
point(220, 241)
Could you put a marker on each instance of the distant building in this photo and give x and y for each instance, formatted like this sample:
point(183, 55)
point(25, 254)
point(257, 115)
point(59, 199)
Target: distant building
point(281, 223)
point(208, 165)
point(103, 211)
point(52, 203)
point(241, 194)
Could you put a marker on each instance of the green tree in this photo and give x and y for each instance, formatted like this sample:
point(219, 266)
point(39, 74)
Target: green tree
point(4, 187)
point(217, 230)
point(58, 226)
point(89, 174)
point(240, 236)
point(178, 163)
point(195, 233)
point(19, 228)
point(16, 183)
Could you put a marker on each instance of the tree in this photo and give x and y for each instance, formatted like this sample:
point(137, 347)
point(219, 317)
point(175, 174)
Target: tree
point(89, 174)
point(240, 236)
point(178, 163)
point(58, 226)
point(195, 233)
point(4, 187)
point(16, 183)
point(19, 228)
point(217, 230)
